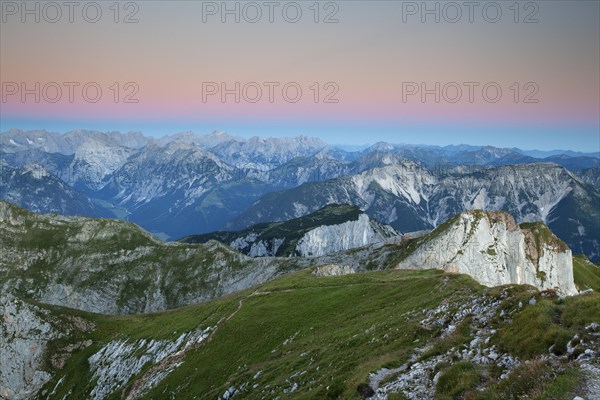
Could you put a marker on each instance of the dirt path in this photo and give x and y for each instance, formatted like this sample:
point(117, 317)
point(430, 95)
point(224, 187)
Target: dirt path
point(140, 385)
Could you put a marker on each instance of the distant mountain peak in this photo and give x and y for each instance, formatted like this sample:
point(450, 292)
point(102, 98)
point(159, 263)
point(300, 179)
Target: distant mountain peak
point(36, 170)
point(331, 229)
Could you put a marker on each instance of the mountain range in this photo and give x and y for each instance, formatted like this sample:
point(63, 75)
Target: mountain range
point(188, 184)
point(410, 197)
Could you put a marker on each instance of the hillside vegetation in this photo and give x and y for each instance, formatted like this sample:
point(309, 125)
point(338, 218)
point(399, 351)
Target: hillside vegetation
point(303, 336)
point(586, 273)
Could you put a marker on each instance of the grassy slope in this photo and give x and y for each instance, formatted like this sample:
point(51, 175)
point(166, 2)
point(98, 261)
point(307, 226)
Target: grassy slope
point(337, 329)
point(367, 305)
point(586, 274)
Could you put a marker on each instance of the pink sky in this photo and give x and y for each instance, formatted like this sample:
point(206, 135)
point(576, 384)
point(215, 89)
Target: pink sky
point(368, 54)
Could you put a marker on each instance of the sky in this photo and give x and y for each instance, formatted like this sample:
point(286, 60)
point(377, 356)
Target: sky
point(352, 72)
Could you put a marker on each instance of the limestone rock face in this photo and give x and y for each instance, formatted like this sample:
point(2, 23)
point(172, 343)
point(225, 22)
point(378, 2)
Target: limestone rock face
point(23, 338)
point(332, 229)
point(349, 235)
point(120, 360)
point(494, 250)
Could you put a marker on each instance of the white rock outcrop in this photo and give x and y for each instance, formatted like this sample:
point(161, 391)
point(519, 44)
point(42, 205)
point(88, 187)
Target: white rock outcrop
point(494, 250)
point(335, 238)
point(333, 270)
point(23, 338)
point(120, 360)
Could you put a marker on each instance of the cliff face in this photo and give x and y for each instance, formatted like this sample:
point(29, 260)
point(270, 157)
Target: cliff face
point(332, 229)
point(494, 250)
point(335, 238)
point(24, 334)
point(323, 240)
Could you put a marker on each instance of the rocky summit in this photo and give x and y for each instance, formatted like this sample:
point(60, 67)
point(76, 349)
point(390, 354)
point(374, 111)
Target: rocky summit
point(495, 251)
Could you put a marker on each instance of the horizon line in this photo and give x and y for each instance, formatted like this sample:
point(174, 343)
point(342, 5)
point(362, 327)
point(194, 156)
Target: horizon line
point(338, 145)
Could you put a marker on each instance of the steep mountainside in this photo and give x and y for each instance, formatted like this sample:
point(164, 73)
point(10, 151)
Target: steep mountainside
point(319, 167)
point(410, 198)
point(83, 159)
point(94, 161)
point(180, 189)
point(110, 266)
point(591, 176)
point(329, 230)
point(55, 163)
point(36, 189)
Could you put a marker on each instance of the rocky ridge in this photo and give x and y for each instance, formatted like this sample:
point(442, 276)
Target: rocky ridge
point(494, 250)
point(332, 229)
point(417, 379)
point(114, 267)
